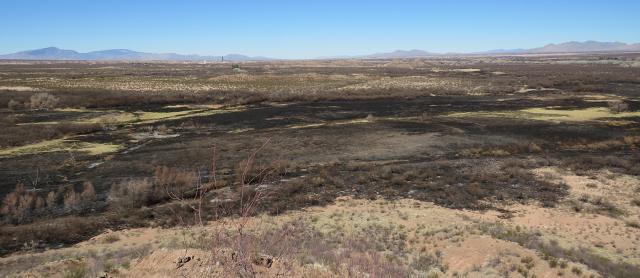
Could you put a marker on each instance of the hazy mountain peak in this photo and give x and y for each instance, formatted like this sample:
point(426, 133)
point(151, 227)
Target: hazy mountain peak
point(413, 53)
point(586, 46)
point(54, 53)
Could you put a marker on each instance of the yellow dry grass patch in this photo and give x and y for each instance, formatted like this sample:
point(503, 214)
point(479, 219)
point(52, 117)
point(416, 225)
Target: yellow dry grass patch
point(121, 117)
point(426, 227)
point(61, 145)
point(587, 114)
point(148, 117)
point(605, 235)
point(240, 130)
point(553, 114)
point(351, 122)
point(336, 123)
point(111, 118)
point(67, 109)
point(39, 123)
point(306, 125)
point(19, 88)
point(196, 106)
point(600, 97)
point(144, 117)
point(469, 70)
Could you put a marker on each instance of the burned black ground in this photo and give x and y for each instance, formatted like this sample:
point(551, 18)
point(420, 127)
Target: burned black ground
point(370, 143)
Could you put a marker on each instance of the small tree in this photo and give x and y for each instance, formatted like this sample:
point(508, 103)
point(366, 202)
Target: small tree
point(72, 200)
point(52, 200)
point(88, 194)
point(131, 194)
point(40, 203)
point(18, 204)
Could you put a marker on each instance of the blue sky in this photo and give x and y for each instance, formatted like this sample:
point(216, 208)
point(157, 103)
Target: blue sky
point(306, 29)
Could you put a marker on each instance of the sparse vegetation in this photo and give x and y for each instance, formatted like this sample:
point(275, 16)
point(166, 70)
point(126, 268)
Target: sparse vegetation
point(618, 106)
point(23, 205)
point(422, 167)
point(14, 105)
point(43, 101)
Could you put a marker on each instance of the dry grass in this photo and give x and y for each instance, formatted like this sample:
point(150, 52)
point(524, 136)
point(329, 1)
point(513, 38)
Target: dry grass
point(554, 115)
point(61, 145)
point(431, 195)
point(355, 237)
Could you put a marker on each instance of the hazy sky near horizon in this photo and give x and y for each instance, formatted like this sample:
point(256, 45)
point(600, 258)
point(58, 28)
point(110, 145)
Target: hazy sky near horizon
point(307, 29)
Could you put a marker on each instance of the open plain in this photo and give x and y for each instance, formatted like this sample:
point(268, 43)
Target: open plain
point(478, 166)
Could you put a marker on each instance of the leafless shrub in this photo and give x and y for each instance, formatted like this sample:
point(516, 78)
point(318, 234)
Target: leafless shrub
point(110, 238)
point(633, 224)
point(43, 101)
point(131, 194)
point(251, 171)
point(18, 204)
point(427, 262)
point(618, 106)
point(596, 204)
point(242, 243)
point(237, 247)
point(24, 205)
point(72, 200)
point(174, 180)
point(80, 201)
point(54, 198)
point(606, 206)
point(14, 105)
point(76, 270)
point(88, 192)
point(166, 184)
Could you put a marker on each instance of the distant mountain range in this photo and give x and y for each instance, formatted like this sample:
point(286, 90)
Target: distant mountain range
point(567, 47)
point(578, 47)
point(401, 54)
point(53, 53)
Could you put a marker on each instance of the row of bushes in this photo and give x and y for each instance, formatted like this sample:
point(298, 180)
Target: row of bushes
point(167, 183)
point(36, 101)
point(67, 209)
point(99, 98)
point(23, 205)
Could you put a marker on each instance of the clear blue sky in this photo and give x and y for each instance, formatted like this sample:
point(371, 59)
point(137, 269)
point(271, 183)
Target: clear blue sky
point(306, 29)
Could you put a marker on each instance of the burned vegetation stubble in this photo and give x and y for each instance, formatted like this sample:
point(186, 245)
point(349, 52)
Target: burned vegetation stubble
point(322, 147)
